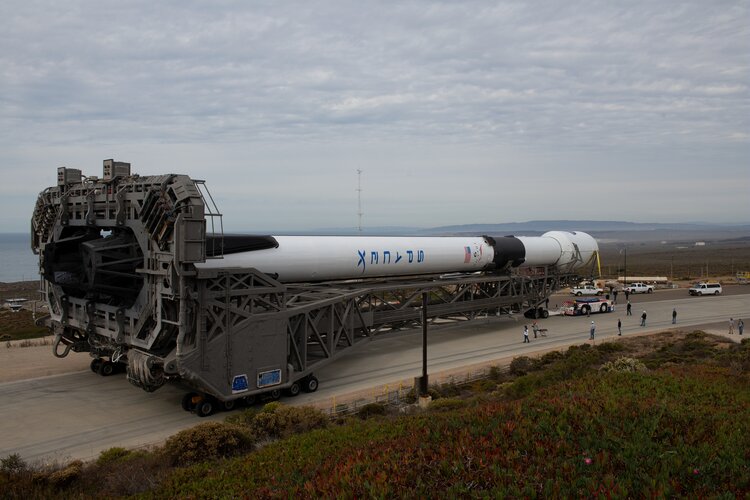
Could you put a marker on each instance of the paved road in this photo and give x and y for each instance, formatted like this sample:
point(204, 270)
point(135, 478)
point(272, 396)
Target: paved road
point(77, 415)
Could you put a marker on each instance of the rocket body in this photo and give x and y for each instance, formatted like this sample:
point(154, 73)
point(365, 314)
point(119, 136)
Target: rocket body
point(325, 258)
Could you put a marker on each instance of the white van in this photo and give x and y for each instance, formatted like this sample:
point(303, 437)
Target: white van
point(706, 289)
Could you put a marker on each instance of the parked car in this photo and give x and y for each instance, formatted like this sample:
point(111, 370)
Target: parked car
point(639, 288)
point(706, 289)
point(586, 290)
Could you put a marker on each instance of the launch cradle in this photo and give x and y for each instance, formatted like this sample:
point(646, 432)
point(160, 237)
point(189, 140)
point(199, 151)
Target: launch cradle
point(136, 271)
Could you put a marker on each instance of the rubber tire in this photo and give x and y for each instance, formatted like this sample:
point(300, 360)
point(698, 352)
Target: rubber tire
point(275, 394)
point(649, 290)
point(228, 405)
point(716, 292)
point(598, 293)
point(603, 308)
point(578, 294)
point(205, 407)
point(700, 294)
point(293, 390)
point(545, 314)
point(310, 384)
point(187, 401)
point(250, 400)
point(107, 369)
point(96, 364)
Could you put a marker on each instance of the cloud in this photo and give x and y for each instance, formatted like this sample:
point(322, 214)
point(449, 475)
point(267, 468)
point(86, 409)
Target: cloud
point(336, 85)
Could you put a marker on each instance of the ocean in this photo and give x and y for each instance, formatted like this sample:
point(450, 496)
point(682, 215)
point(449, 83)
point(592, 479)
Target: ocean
point(17, 261)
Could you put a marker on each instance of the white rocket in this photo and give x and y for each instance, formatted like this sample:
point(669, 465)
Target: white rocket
point(323, 258)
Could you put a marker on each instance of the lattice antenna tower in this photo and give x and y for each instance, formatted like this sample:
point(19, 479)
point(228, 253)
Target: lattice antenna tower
point(359, 200)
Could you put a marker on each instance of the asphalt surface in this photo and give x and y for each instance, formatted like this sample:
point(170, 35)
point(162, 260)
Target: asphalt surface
point(78, 415)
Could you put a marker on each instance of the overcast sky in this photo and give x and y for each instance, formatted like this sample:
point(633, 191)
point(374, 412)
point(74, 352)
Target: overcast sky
point(456, 112)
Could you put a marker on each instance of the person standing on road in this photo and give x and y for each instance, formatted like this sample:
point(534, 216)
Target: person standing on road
point(619, 327)
point(629, 312)
point(592, 330)
point(526, 334)
point(614, 296)
point(643, 319)
point(627, 294)
point(674, 315)
point(535, 327)
point(740, 325)
point(731, 326)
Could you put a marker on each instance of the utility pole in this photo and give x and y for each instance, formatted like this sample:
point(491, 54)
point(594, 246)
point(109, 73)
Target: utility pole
point(359, 199)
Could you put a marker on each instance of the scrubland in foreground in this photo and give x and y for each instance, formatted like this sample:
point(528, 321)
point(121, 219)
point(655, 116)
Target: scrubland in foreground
point(615, 420)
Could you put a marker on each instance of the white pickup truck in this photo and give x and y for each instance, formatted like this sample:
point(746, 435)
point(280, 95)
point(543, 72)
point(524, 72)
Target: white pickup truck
point(586, 290)
point(639, 288)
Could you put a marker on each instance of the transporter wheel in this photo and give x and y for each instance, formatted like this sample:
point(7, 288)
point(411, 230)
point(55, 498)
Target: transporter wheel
point(716, 292)
point(585, 310)
point(107, 368)
point(603, 308)
point(228, 405)
point(249, 400)
point(310, 384)
point(205, 407)
point(96, 364)
point(700, 293)
point(649, 290)
point(293, 390)
point(578, 294)
point(187, 401)
point(275, 394)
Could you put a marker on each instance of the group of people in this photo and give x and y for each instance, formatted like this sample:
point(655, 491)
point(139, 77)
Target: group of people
point(536, 329)
point(740, 326)
point(592, 329)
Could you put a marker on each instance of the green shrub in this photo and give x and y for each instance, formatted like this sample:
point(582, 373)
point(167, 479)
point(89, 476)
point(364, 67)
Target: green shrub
point(447, 390)
point(243, 418)
point(65, 476)
point(112, 455)
point(550, 357)
point(610, 347)
point(372, 409)
point(627, 365)
point(521, 365)
point(447, 404)
point(483, 385)
point(207, 441)
point(496, 374)
point(13, 464)
point(279, 420)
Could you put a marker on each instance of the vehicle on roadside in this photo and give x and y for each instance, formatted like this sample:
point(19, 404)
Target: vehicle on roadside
point(586, 305)
point(639, 288)
point(706, 289)
point(586, 290)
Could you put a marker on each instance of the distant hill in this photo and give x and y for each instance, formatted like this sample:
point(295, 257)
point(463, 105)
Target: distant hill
point(586, 225)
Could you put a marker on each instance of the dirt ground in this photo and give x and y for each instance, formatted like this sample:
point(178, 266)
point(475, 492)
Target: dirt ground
point(21, 363)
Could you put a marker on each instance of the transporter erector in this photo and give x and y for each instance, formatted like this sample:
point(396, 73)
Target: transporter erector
point(137, 272)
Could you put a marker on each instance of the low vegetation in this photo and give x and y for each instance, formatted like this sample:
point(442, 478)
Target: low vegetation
point(615, 420)
point(19, 326)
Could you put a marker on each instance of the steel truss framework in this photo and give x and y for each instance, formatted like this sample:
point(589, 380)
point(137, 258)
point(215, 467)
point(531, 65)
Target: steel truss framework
point(246, 312)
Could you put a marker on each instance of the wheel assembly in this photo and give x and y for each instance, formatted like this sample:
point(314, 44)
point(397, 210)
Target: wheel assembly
point(310, 384)
point(294, 389)
point(205, 407)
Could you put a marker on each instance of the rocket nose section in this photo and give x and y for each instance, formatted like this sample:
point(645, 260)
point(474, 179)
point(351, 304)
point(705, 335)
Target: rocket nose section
point(579, 249)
